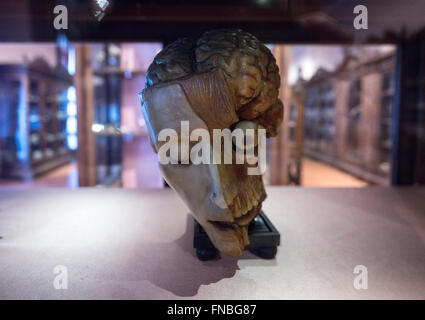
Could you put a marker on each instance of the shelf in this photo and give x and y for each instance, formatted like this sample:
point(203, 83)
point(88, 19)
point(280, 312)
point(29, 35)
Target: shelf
point(45, 122)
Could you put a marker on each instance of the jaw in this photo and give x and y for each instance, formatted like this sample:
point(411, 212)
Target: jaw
point(231, 238)
point(244, 198)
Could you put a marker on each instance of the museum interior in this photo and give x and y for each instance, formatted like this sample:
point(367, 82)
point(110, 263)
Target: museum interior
point(327, 141)
point(354, 118)
point(71, 116)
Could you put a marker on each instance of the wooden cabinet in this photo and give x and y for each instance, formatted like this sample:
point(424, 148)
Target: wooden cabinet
point(37, 119)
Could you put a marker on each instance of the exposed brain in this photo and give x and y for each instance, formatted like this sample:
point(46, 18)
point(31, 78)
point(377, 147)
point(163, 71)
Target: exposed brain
point(248, 66)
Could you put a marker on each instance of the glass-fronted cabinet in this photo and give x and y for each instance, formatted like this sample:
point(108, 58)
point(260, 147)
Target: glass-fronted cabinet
point(34, 101)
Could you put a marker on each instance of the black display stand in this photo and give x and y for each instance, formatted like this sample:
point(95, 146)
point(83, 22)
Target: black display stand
point(263, 238)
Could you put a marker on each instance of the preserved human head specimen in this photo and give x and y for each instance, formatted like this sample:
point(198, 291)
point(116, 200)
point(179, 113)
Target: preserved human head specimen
point(226, 79)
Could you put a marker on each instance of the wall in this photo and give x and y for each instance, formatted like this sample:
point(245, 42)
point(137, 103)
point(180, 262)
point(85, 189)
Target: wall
point(18, 53)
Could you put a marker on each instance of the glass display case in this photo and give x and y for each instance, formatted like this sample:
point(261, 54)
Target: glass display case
point(348, 115)
point(33, 108)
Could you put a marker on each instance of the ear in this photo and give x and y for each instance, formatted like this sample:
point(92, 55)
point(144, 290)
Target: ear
point(272, 118)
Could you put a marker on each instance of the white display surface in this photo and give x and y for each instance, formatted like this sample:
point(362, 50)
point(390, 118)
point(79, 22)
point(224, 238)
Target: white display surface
point(137, 244)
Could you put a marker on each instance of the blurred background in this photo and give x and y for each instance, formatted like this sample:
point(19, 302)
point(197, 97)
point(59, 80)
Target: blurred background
point(70, 115)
